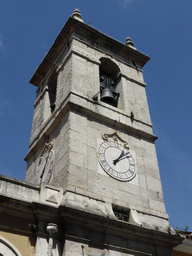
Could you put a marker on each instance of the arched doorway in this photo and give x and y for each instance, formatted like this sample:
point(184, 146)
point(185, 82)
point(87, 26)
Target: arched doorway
point(8, 249)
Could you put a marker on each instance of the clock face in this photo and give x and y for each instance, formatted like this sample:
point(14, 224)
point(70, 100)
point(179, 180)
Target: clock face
point(45, 167)
point(116, 161)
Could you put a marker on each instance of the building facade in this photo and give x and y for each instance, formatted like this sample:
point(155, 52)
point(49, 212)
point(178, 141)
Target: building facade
point(92, 182)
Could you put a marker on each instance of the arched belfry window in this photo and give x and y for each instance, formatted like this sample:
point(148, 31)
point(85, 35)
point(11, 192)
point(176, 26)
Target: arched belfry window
point(109, 78)
point(52, 88)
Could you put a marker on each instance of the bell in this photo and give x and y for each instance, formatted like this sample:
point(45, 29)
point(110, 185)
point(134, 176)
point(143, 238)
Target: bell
point(107, 96)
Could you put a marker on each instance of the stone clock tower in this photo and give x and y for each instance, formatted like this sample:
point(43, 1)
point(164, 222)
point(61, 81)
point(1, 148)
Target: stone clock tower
point(92, 138)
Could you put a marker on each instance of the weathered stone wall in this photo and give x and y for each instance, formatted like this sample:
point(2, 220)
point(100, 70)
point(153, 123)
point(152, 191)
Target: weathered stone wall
point(79, 132)
point(85, 241)
point(85, 78)
point(86, 177)
point(78, 123)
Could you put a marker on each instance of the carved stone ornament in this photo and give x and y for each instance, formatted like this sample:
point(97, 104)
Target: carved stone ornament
point(48, 147)
point(115, 137)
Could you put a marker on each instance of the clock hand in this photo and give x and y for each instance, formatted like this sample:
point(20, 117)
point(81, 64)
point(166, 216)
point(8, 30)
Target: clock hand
point(43, 172)
point(125, 156)
point(122, 156)
point(44, 166)
point(116, 160)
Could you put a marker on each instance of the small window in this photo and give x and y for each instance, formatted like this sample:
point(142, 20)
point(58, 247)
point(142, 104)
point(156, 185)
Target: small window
point(52, 88)
point(121, 213)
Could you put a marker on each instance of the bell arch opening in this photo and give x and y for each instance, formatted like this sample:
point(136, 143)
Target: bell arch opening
point(109, 79)
point(52, 89)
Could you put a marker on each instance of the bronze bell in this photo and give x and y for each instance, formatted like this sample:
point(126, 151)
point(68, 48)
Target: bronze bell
point(107, 96)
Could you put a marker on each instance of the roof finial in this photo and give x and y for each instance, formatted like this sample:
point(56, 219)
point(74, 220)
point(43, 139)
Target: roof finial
point(77, 15)
point(129, 42)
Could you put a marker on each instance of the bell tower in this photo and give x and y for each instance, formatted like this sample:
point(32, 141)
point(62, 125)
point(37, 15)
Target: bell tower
point(92, 136)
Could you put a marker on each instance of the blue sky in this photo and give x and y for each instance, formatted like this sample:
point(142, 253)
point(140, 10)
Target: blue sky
point(160, 29)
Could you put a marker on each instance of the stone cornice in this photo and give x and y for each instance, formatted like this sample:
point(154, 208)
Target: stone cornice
point(69, 103)
point(36, 212)
point(19, 182)
point(121, 228)
point(88, 32)
point(101, 51)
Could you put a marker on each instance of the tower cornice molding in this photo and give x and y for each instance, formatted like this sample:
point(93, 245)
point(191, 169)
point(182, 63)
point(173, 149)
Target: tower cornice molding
point(71, 102)
point(124, 229)
point(71, 217)
point(74, 26)
point(110, 55)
